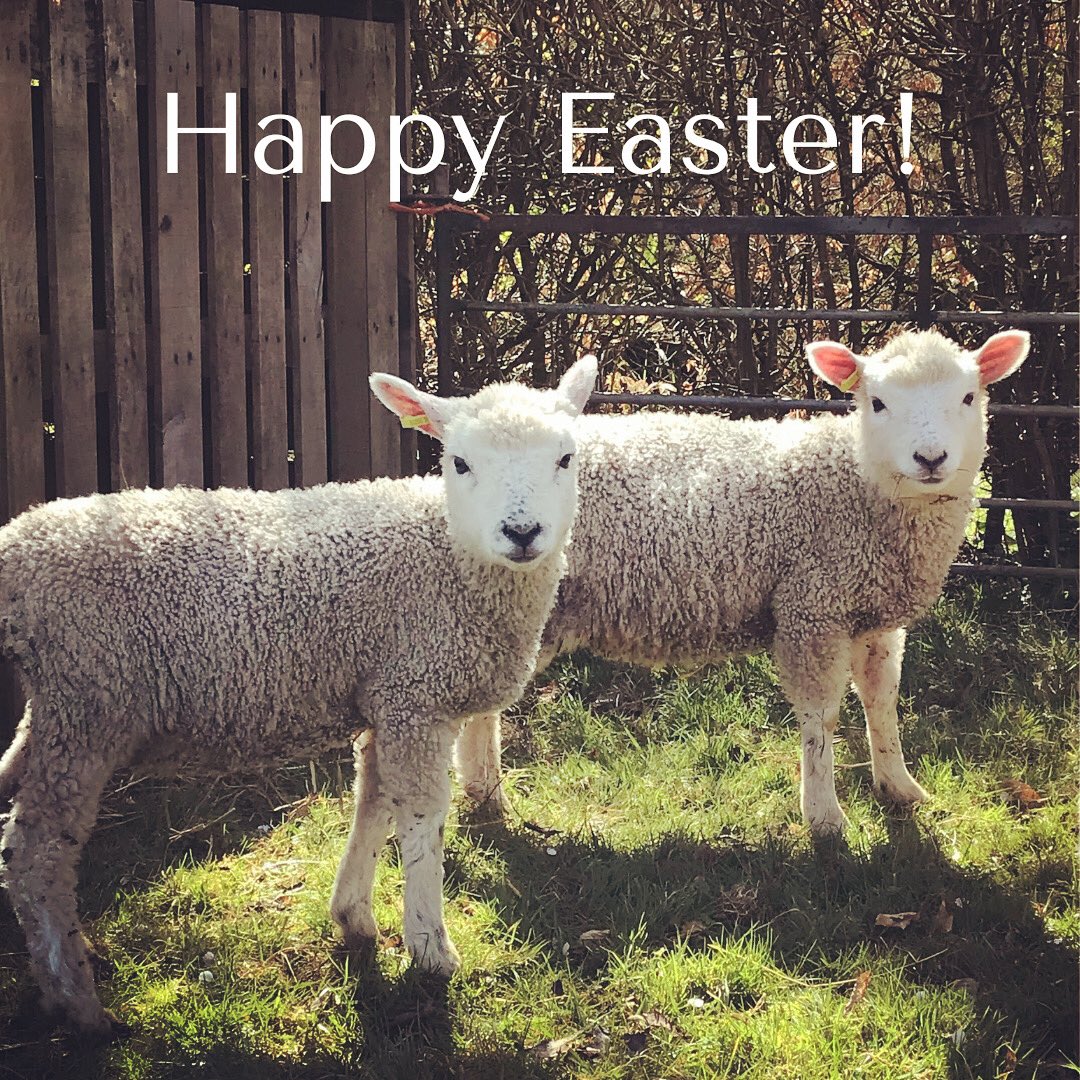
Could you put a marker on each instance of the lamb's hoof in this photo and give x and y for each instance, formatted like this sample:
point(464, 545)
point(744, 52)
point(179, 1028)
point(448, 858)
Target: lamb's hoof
point(828, 827)
point(900, 792)
point(442, 960)
point(357, 923)
point(488, 801)
point(97, 1027)
point(359, 943)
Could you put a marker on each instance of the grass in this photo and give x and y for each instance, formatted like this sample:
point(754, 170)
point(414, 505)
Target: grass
point(655, 909)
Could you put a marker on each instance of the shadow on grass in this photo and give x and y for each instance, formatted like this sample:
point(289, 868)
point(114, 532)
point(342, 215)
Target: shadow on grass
point(817, 906)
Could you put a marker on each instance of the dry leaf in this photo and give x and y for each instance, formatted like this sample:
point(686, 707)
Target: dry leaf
point(1010, 1061)
point(943, 919)
point(862, 981)
point(900, 921)
point(1021, 795)
point(548, 692)
point(654, 1018)
point(591, 937)
point(597, 1043)
point(550, 1049)
point(691, 927)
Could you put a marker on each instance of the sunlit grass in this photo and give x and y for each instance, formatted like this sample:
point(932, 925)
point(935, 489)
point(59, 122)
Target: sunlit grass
point(654, 908)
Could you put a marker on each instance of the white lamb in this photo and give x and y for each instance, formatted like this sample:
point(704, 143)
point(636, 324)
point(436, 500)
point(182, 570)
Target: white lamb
point(822, 540)
point(241, 628)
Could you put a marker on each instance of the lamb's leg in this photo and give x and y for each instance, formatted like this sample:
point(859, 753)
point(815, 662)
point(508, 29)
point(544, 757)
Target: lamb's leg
point(478, 760)
point(54, 810)
point(814, 674)
point(875, 667)
point(351, 904)
point(414, 761)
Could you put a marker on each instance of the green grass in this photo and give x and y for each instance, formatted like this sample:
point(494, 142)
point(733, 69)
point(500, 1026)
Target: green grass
point(676, 923)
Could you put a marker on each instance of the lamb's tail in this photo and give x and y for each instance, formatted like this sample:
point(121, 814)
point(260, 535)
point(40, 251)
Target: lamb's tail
point(13, 763)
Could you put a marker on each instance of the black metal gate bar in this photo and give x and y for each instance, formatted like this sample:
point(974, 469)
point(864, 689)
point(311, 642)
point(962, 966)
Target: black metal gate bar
point(925, 229)
point(793, 225)
point(695, 311)
point(835, 405)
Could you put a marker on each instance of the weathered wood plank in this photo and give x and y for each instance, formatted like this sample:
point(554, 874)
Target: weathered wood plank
point(125, 300)
point(22, 461)
point(266, 326)
point(67, 194)
point(379, 67)
point(175, 354)
point(304, 324)
point(345, 83)
point(408, 317)
point(225, 337)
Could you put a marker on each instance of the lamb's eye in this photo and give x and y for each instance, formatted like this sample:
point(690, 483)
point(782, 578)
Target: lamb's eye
point(564, 461)
point(969, 398)
point(461, 465)
point(878, 404)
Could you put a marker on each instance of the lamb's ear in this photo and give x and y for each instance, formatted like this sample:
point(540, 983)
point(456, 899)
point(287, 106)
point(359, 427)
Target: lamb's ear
point(835, 363)
point(577, 384)
point(425, 412)
point(1002, 355)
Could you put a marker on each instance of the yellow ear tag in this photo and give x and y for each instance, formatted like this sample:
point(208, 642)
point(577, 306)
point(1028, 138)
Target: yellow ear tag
point(414, 421)
point(850, 382)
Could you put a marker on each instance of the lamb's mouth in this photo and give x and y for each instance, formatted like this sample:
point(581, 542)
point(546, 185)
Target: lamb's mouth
point(930, 479)
point(522, 557)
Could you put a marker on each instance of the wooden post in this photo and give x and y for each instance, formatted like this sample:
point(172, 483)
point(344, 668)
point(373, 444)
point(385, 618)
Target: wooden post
point(266, 235)
point(304, 318)
point(221, 64)
point(174, 248)
point(67, 196)
point(125, 299)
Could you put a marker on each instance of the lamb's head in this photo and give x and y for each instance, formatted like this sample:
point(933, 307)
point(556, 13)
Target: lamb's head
point(921, 406)
point(509, 461)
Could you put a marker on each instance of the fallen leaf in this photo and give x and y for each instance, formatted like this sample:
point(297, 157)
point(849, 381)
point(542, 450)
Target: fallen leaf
point(1010, 1061)
point(591, 937)
point(691, 927)
point(943, 920)
point(547, 692)
point(900, 921)
point(597, 1043)
point(654, 1018)
point(550, 1049)
point(1021, 795)
point(858, 991)
point(636, 1041)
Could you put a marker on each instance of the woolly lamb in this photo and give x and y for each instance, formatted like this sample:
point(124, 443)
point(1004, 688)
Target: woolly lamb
point(821, 540)
point(239, 628)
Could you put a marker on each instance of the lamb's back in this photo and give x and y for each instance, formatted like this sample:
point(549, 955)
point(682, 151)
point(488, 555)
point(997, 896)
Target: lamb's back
point(211, 609)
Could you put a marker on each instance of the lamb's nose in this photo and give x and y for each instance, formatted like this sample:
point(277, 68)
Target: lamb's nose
point(522, 535)
point(930, 464)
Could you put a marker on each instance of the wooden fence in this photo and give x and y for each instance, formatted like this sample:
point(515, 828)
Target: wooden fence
point(201, 327)
point(169, 329)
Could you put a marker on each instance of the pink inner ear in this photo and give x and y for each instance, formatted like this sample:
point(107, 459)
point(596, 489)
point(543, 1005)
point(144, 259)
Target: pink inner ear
point(832, 361)
point(1001, 355)
point(404, 405)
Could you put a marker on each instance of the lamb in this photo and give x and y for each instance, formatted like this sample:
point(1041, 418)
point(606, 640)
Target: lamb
point(822, 540)
point(240, 628)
